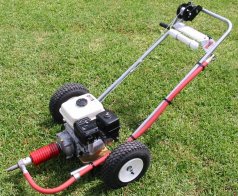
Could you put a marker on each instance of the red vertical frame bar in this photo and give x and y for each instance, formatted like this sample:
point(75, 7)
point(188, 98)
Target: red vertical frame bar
point(168, 99)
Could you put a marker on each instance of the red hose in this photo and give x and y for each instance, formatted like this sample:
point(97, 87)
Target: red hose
point(44, 153)
point(66, 184)
point(63, 186)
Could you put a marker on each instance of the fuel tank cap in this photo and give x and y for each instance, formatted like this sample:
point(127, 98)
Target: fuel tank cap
point(82, 102)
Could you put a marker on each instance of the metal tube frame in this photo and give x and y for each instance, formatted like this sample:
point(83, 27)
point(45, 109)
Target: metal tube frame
point(132, 68)
point(162, 105)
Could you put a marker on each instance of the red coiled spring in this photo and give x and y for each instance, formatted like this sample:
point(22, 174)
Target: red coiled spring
point(45, 153)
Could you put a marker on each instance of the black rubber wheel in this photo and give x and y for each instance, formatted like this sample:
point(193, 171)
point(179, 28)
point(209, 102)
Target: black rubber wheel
point(64, 93)
point(126, 164)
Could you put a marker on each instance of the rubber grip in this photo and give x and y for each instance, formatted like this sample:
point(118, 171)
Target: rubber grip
point(164, 25)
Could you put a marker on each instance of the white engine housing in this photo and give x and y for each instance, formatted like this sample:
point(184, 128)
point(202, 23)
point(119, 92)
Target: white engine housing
point(72, 112)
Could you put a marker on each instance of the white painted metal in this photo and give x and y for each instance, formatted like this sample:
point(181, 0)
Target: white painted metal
point(27, 161)
point(179, 36)
point(205, 41)
point(131, 170)
point(72, 112)
point(190, 32)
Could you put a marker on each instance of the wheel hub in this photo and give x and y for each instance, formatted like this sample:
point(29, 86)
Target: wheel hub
point(131, 170)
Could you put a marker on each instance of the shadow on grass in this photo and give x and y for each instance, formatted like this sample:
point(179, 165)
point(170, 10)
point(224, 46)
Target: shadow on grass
point(55, 172)
point(47, 123)
point(100, 189)
point(128, 112)
point(16, 180)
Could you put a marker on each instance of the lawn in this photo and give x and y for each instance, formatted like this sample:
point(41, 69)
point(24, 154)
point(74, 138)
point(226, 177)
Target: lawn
point(44, 44)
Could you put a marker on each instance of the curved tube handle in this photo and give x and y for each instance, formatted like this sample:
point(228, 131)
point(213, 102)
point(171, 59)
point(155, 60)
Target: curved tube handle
point(221, 39)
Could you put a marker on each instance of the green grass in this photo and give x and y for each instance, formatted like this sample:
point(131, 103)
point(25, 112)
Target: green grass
point(44, 44)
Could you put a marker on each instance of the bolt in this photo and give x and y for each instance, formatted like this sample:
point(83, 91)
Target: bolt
point(130, 169)
point(107, 115)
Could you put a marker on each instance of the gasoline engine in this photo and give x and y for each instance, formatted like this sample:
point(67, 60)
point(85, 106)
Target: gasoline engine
point(88, 128)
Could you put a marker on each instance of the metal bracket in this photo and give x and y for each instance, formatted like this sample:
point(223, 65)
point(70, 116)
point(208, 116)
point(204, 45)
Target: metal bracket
point(188, 11)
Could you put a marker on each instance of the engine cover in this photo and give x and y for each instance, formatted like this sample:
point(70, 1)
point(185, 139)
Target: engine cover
point(80, 107)
point(88, 127)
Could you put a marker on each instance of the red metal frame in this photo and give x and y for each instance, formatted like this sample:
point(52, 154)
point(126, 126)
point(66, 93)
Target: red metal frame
point(168, 100)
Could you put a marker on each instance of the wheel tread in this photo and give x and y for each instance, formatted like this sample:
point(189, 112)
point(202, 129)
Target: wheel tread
point(118, 154)
point(59, 94)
